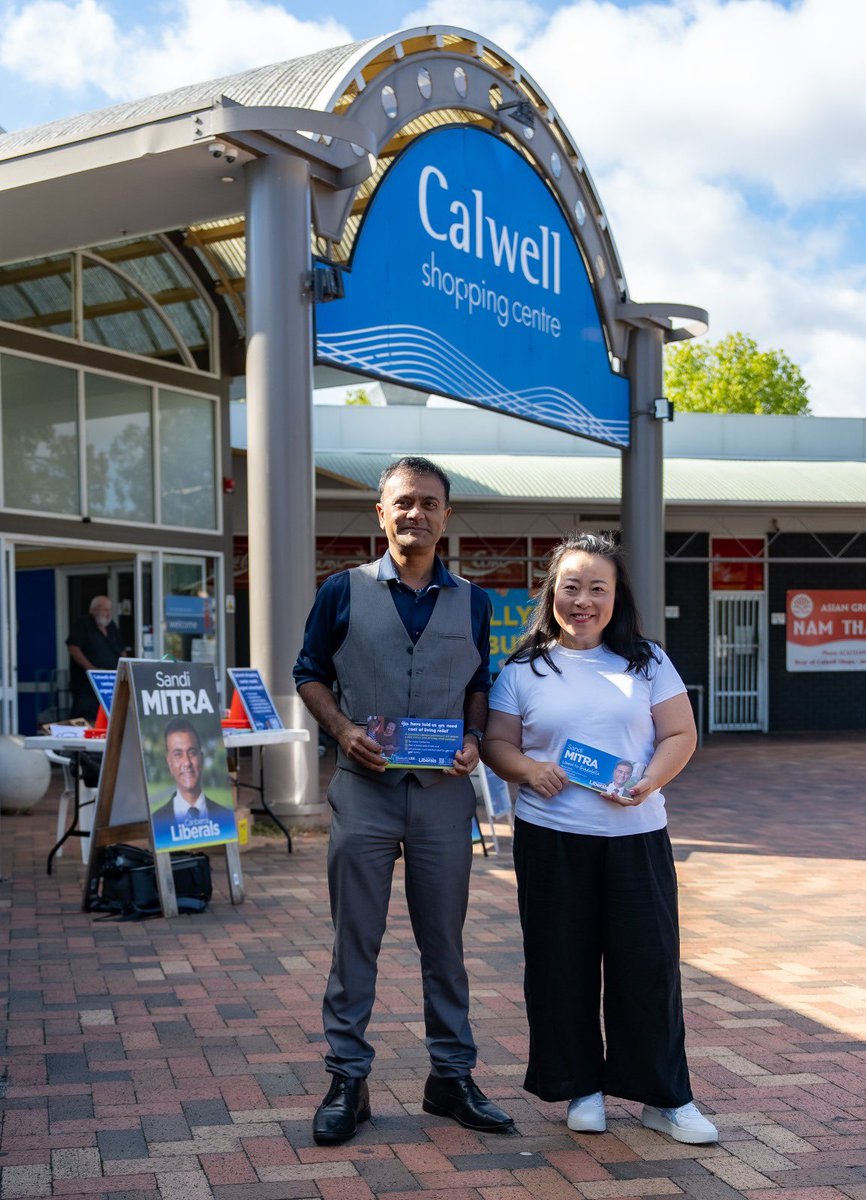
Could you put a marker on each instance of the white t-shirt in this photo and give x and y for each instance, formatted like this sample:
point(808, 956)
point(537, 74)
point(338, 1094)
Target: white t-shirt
point(597, 702)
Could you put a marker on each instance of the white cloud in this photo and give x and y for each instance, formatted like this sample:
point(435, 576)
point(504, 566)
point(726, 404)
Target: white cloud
point(708, 126)
point(727, 137)
point(78, 45)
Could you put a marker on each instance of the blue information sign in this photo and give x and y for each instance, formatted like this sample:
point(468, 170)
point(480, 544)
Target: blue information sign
point(102, 683)
point(466, 280)
point(255, 698)
point(187, 614)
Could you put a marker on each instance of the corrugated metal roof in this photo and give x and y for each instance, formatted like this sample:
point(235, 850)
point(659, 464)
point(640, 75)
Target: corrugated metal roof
point(297, 82)
point(597, 480)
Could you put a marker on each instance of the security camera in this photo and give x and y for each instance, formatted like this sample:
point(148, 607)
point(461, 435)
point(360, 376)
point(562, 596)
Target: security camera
point(217, 149)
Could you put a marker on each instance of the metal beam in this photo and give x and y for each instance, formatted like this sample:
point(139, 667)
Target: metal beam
point(280, 456)
point(643, 518)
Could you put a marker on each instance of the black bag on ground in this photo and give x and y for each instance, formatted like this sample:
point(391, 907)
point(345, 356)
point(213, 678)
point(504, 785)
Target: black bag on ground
point(125, 883)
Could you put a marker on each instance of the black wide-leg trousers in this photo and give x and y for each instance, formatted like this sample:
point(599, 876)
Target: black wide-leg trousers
point(601, 910)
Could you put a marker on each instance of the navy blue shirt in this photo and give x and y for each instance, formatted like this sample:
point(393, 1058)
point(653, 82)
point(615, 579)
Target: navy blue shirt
point(328, 622)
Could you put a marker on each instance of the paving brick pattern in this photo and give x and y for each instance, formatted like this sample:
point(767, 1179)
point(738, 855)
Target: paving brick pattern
point(182, 1060)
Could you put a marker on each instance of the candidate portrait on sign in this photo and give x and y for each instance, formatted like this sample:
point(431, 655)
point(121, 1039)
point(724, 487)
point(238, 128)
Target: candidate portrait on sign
point(188, 817)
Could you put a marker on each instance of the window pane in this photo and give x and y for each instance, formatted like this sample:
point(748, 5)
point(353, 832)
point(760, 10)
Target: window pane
point(169, 284)
point(38, 294)
point(117, 316)
point(40, 436)
point(186, 460)
point(119, 449)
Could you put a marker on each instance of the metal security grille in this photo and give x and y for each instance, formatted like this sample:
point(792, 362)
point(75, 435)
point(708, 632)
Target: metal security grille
point(737, 663)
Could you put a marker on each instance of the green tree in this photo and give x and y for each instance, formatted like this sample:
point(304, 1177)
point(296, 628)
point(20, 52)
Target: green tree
point(733, 375)
point(358, 397)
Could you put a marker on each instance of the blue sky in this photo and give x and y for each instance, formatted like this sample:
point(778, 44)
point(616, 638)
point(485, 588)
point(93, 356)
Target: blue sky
point(727, 137)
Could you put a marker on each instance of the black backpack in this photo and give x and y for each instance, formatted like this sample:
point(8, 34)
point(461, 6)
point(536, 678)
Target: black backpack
point(124, 884)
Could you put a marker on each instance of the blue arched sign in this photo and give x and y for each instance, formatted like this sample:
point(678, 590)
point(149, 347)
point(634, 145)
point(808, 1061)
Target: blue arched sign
point(466, 280)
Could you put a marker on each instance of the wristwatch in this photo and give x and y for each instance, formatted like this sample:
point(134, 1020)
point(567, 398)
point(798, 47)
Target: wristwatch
point(478, 734)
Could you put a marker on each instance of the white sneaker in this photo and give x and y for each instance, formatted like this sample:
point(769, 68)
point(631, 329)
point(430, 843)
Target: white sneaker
point(586, 1114)
point(684, 1124)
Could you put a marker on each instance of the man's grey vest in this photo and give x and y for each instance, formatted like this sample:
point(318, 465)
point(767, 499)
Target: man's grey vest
point(380, 671)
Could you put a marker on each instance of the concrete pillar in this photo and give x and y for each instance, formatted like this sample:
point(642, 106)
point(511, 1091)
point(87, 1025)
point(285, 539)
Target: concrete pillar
point(643, 521)
point(280, 463)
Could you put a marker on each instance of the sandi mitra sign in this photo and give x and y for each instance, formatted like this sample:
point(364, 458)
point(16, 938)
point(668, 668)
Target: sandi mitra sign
point(826, 631)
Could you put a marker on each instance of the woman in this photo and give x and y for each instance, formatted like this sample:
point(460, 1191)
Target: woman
point(596, 884)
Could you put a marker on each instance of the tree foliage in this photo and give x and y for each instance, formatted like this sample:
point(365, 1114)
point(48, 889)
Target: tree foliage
point(733, 375)
point(358, 397)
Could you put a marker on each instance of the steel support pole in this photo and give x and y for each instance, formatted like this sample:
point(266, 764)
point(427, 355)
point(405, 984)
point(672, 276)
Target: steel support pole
point(643, 521)
point(280, 462)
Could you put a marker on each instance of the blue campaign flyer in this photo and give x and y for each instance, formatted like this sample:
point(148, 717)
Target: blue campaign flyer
point(418, 742)
point(102, 683)
point(593, 768)
point(255, 698)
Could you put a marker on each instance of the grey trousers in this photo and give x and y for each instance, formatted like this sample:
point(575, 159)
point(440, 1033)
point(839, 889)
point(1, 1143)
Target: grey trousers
point(371, 825)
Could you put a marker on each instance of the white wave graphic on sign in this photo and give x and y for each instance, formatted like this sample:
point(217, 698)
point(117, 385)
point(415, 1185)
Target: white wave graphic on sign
point(418, 356)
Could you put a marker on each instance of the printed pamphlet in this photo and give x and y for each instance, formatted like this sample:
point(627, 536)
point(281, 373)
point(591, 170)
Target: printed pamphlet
point(596, 769)
point(416, 742)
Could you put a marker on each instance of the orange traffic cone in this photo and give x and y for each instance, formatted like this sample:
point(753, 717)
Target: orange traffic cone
point(237, 718)
point(100, 725)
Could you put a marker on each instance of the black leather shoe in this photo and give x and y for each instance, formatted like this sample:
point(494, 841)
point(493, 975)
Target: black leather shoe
point(344, 1107)
point(463, 1100)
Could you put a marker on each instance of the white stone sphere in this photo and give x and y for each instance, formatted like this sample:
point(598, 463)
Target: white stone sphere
point(25, 775)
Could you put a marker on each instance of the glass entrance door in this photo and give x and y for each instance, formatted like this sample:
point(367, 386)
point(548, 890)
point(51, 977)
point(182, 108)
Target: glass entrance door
point(189, 606)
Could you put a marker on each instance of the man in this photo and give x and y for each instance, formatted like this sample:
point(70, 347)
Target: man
point(94, 644)
point(188, 807)
point(621, 775)
point(403, 636)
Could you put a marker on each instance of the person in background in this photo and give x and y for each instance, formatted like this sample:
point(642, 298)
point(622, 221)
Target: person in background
point(94, 644)
point(596, 886)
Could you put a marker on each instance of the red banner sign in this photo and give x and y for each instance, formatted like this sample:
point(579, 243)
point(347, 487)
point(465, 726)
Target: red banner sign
point(826, 630)
point(743, 576)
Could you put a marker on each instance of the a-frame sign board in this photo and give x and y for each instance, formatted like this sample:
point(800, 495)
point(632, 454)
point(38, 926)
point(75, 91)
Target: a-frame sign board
point(164, 775)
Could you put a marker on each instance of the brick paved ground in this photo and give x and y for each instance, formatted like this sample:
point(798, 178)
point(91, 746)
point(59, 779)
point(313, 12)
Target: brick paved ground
point(182, 1059)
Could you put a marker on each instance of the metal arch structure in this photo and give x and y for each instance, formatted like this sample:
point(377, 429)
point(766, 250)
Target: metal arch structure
point(394, 91)
point(470, 79)
point(309, 140)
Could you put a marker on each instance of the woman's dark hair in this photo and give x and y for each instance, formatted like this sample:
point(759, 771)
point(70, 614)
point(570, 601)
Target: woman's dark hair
point(622, 635)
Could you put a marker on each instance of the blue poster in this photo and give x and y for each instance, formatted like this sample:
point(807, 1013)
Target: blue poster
point(255, 698)
point(102, 683)
point(466, 280)
point(187, 614)
point(190, 794)
point(510, 609)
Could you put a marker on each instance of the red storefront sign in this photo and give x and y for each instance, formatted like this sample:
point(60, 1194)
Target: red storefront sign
point(742, 576)
point(826, 630)
point(496, 562)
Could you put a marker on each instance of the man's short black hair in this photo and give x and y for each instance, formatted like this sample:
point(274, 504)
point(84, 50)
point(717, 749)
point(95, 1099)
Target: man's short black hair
point(180, 725)
point(414, 464)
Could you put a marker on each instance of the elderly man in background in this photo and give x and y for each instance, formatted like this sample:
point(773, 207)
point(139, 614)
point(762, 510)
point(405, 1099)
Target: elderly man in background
point(94, 644)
